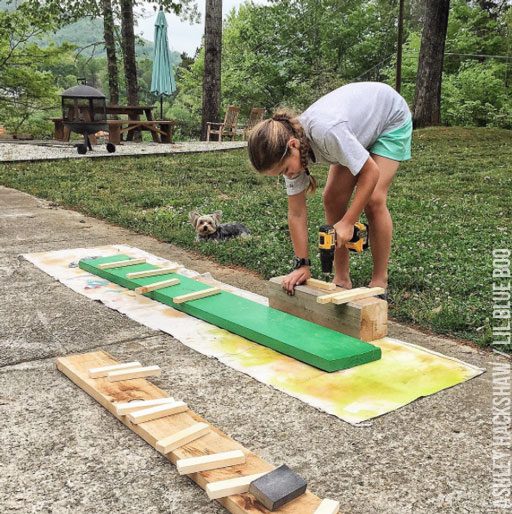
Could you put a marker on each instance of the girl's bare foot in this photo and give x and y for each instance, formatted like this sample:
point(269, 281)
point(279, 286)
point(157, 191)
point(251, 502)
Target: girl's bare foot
point(378, 283)
point(345, 283)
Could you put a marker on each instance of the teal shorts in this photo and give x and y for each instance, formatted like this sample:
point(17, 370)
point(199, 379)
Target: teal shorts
point(396, 144)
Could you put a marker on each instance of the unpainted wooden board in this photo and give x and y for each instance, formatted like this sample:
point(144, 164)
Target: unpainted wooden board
point(103, 372)
point(327, 298)
point(207, 462)
point(231, 486)
point(350, 295)
point(157, 285)
point(320, 284)
point(328, 507)
point(170, 443)
point(372, 291)
point(160, 411)
point(129, 374)
point(121, 264)
point(196, 295)
point(75, 367)
point(153, 272)
point(126, 407)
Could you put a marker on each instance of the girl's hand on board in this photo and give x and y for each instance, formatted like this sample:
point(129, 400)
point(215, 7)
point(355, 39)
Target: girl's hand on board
point(295, 278)
point(344, 233)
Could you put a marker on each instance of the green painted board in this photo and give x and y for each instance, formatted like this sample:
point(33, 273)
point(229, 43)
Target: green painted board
point(305, 341)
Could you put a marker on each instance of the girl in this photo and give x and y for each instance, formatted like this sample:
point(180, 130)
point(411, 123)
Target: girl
point(363, 130)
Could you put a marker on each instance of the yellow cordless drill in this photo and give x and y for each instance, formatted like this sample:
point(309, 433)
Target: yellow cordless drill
point(327, 244)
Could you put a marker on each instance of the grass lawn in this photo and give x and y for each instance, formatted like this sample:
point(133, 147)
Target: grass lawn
point(451, 205)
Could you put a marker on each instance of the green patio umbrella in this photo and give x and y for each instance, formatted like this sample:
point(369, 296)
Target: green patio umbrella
point(162, 78)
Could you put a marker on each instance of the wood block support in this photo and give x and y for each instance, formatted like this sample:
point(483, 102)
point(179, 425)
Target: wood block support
point(76, 368)
point(366, 319)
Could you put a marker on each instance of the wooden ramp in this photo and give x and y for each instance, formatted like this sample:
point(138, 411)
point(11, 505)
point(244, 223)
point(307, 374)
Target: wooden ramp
point(108, 394)
point(303, 340)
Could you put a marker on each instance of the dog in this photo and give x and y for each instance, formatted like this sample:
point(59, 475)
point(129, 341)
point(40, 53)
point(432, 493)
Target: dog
point(208, 227)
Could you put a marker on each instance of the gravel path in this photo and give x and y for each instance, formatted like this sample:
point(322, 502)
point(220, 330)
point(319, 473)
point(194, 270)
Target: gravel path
point(51, 150)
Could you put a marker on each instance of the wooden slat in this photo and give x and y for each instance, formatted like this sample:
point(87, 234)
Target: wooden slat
point(157, 285)
point(121, 264)
point(129, 374)
point(320, 284)
point(75, 367)
point(231, 486)
point(207, 462)
point(196, 295)
point(160, 411)
point(152, 272)
point(350, 295)
point(328, 507)
point(104, 371)
point(126, 407)
point(187, 435)
point(327, 298)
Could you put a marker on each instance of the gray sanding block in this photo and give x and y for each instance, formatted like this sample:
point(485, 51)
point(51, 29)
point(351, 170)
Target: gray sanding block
point(278, 487)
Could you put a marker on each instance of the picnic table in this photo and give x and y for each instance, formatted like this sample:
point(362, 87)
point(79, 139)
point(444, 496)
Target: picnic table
point(161, 130)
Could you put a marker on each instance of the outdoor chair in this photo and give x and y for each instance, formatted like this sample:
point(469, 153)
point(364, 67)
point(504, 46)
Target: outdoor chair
point(256, 115)
point(228, 127)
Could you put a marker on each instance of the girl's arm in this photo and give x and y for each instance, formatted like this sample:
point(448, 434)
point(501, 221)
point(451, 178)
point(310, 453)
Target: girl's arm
point(366, 181)
point(297, 222)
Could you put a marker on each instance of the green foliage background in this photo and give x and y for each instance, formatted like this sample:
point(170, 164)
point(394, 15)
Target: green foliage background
point(290, 52)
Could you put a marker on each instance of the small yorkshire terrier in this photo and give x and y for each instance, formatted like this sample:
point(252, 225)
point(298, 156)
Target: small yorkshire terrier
point(209, 227)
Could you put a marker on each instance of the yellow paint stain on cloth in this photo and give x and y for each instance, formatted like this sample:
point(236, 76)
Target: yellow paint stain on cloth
point(404, 374)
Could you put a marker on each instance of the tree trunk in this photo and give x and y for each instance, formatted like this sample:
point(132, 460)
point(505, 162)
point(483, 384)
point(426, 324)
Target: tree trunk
point(399, 44)
point(427, 102)
point(212, 63)
point(110, 47)
point(128, 45)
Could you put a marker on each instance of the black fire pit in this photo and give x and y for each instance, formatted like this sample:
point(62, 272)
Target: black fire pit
point(84, 111)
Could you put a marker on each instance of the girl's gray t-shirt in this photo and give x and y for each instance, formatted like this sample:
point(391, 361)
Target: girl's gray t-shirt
point(343, 124)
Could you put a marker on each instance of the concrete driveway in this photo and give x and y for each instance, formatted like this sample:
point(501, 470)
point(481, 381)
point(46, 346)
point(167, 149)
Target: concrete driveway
point(62, 452)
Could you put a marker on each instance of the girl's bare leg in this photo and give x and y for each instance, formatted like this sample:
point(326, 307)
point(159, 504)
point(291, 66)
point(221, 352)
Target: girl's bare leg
point(380, 222)
point(338, 190)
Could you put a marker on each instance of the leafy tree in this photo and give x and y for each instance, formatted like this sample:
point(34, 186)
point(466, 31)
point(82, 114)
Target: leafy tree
point(26, 85)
